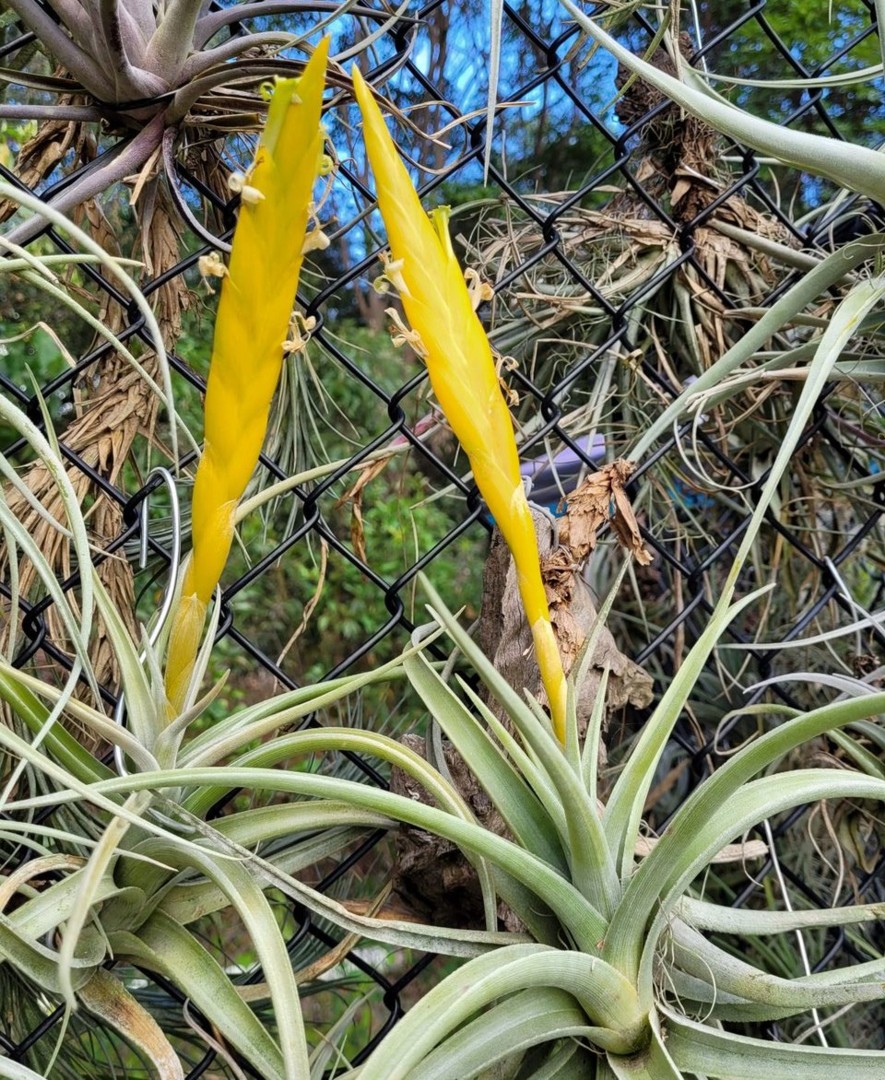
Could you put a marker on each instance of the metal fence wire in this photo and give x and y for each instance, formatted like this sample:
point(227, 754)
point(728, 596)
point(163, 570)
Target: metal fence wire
point(615, 236)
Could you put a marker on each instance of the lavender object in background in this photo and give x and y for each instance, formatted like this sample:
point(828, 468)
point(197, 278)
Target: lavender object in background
point(551, 481)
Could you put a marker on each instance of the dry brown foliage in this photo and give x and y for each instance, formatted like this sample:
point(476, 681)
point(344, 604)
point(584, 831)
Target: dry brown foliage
point(600, 499)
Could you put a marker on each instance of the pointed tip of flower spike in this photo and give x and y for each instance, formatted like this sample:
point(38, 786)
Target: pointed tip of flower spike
point(359, 84)
point(552, 675)
point(312, 81)
point(315, 70)
point(441, 308)
point(390, 172)
point(304, 91)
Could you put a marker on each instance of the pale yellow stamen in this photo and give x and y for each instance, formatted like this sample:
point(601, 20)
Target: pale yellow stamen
point(316, 240)
point(297, 340)
point(480, 291)
point(211, 265)
point(403, 335)
point(237, 182)
point(393, 272)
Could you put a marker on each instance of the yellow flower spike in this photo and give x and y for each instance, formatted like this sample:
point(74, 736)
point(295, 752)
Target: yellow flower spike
point(254, 313)
point(440, 310)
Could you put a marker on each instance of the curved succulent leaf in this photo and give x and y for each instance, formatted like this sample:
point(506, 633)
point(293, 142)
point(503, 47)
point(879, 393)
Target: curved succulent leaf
point(528, 1018)
point(606, 999)
point(701, 1049)
point(163, 946)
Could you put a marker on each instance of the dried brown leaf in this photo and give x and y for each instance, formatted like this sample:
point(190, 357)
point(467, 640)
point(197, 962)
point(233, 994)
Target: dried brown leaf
point(108, 999)
point(311, 604)
point(354, 495)
point(160, 250)
point(41, 154)
point(601, 498)
point(118, 410)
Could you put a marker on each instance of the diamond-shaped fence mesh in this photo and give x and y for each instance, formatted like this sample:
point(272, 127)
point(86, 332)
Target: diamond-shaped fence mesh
point(628, 247)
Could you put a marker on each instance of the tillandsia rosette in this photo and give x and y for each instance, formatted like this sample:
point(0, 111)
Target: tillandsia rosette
point(446, 330)
point(251, 331)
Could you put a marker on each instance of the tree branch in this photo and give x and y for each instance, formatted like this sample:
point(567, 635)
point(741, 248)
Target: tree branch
point(68, 53)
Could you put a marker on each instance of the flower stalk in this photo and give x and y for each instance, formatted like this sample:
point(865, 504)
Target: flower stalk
point(254, 313)
point(447, 332)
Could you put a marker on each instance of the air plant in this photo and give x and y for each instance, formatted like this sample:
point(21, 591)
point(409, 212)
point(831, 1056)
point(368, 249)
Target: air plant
point(614, 974)
point(857, 168)
point(446, 332)
point(164, 77)
point(683, 317)
point(133, 862)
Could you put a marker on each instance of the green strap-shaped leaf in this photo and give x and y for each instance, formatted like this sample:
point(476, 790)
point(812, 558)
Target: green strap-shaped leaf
point(703, 915)
point(609, 1002)
point(730, 975)
point(516, 802)
point(672, 856)
point(167, 948)
point(697, 841)
point(700, 1049)
point(653, 1062)
point(258, 918)
point(582, 921)
point(527, 1019)
point(41, 964)
point(590, 857)
point(191, 901)
point(58, 742)
point(373, 744)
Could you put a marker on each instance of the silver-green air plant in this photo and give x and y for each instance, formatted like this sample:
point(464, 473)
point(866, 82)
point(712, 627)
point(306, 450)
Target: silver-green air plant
point(155, 74)
point(130, 877)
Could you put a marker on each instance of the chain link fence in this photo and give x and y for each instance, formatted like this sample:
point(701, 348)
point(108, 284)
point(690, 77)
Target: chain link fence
point(620, 238)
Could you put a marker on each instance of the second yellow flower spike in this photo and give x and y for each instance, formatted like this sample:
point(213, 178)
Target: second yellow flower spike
point(462, 373)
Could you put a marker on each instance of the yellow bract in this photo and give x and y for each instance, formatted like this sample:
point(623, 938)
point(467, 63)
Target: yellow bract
point(462, 373)
point(254, 312)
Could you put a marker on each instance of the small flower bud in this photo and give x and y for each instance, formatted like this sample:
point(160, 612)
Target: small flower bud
point(212, 265)
point(315, 240)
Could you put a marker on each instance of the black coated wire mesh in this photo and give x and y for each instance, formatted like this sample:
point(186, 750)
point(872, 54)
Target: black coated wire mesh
point(556, 132)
